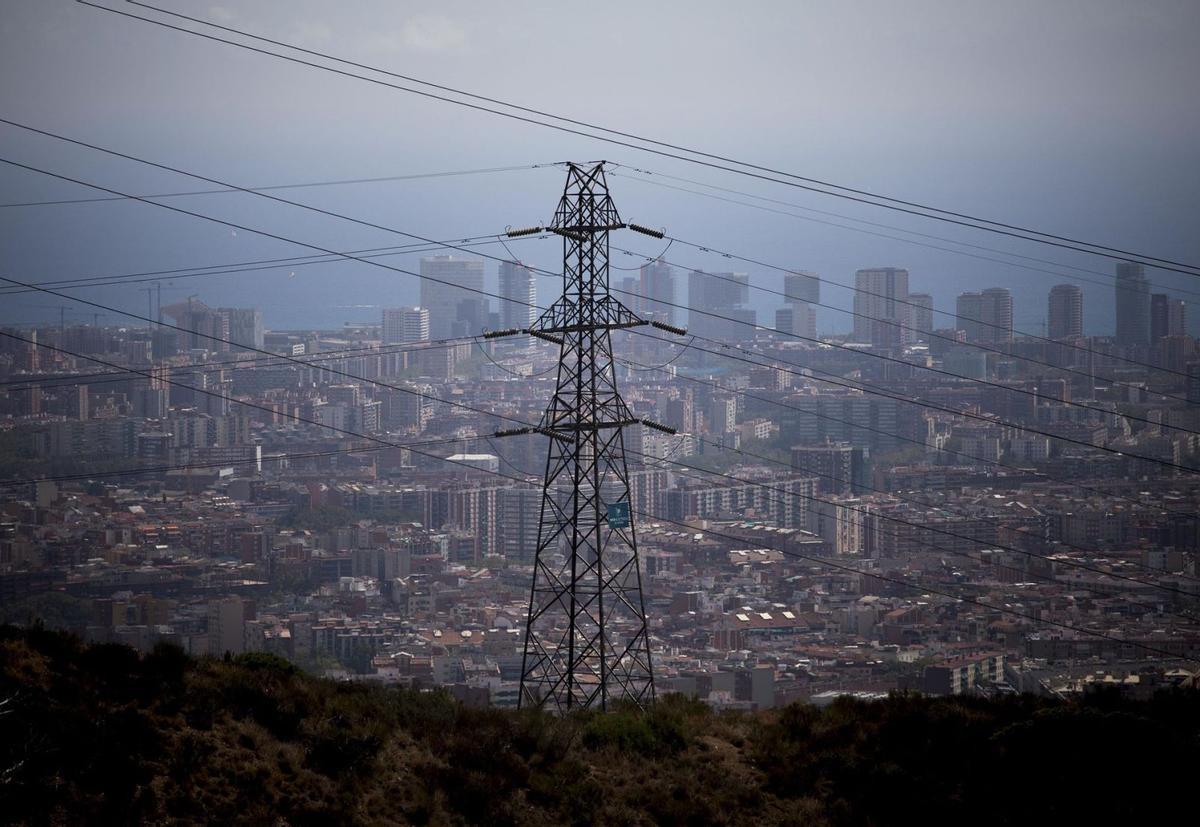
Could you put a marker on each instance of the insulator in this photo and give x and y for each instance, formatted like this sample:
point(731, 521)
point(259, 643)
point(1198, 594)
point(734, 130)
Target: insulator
point(568, 234)
point(670, 328)
point(537, 334)
point(523, 231)
point(638, 228)
point(666, 429)
point(496, 334)
point(513, 432)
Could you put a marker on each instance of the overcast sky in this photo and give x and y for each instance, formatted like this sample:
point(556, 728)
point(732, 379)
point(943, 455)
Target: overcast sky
point(1076, 117)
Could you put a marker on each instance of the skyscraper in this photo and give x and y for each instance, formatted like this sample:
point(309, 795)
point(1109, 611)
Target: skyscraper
point(922, 315)
point(1168, 317)
point(518, 294)
point(657, 291)
point(404, 325)
point(798, 319)
point(985, 317)
point(878, 313)
point(968, 313)
point(997, 307)
point(711, 295)
point(245, 327)
point(1132, 297)
point(801, 286)
point(453, 310)
point(1065, 312)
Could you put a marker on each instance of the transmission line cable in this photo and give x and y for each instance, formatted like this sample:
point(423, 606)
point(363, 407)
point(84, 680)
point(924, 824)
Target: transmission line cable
point(304, 185)
point(1109, 279)
point(874, 390)
point(411, 235)
point(816, 560)
point(150, 374)
point(863, 386)
point(383, 228)
point(908, 302)
point(249, 266)
point(647, 145)
point(933, 334)
point(53, 381)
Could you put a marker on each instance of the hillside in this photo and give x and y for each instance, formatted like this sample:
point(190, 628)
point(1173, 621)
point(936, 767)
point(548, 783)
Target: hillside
point(100, 734)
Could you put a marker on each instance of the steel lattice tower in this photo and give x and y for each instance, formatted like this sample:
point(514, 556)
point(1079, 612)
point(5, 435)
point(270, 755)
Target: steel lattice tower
point(586, 639)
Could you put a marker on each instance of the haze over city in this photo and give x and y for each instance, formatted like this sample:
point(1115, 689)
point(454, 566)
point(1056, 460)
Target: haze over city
point(1074, 117)
point(540, 413)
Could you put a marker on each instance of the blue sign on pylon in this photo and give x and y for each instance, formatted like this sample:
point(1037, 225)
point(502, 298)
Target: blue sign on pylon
point(618, 515)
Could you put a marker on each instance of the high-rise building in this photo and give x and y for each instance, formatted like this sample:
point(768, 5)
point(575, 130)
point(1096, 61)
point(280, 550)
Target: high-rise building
point(713, 295)
point(657, 292)
point(798, 319)
point(1065, 312)
point(520, 510)
point(203, 327)
point(922, 315)
point(802, 286)
point(245, 327)
point(404, 325)
point(455, 308)
point(879, 314)
point(1132, 297)
point(986, 316)
point(1168, 317)
point(840, 468)
point(968, 313)
point(518, 294)
point(997, 316)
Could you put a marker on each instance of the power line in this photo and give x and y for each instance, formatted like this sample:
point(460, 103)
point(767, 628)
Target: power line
point(899, 361)
point(224, 184)
point(747, 169)
point(228, 187)
point(1108, 282)
point(874, 390)
point(151, 375)
point(241, 402)
point(411, 235)
point(883, 432)
point(357, 378)
point(384, 228)
point(982, 544)
point(340, 182)
point(387, 443)
point(886, 358)
point(196, 466)
point(293, 417)
point(862, 386)
point(921, 587)
point(55, 381)
point(1058, 342)
point(868, 512)
point(250, 266)
point(294, 359)
point(903, 326)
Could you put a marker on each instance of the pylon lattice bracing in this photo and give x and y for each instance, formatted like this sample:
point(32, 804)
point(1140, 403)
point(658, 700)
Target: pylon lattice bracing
point(586, 638)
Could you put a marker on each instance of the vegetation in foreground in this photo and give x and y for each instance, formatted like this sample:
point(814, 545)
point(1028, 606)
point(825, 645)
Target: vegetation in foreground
point(100, 734)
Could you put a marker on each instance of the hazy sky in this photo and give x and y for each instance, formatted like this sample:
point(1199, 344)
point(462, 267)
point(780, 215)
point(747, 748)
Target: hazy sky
point(1076, 117)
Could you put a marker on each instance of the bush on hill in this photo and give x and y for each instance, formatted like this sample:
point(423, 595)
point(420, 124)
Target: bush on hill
point(101, 734)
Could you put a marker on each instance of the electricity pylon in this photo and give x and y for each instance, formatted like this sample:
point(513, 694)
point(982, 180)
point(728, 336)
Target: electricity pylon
point(586, 639)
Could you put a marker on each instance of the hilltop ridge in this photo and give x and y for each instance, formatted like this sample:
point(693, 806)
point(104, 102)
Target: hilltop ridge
point(101, 734)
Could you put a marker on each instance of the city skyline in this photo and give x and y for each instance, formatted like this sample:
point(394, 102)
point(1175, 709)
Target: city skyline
point(365, 380)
